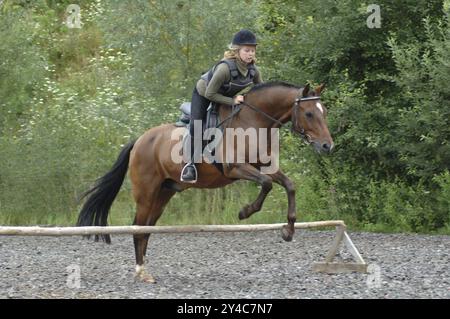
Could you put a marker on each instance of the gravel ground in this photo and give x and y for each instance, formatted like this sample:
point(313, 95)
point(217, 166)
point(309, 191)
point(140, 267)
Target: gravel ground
point(224, 265)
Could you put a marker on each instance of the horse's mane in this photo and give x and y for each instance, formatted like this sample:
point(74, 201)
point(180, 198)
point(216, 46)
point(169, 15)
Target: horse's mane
point(271, 84)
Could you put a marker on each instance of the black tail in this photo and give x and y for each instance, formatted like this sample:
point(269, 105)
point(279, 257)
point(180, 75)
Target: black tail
point(100, 197)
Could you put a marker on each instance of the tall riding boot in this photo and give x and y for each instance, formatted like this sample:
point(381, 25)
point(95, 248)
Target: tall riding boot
point(189, 173)
point(198, 113)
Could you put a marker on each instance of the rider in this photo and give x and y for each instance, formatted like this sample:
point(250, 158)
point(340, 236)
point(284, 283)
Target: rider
point(221, 85)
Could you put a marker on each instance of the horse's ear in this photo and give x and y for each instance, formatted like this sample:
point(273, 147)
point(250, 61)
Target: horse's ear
point(305, 90)
point(320, 88)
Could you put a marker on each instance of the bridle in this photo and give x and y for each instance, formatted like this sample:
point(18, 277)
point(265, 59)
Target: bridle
point(296, 128)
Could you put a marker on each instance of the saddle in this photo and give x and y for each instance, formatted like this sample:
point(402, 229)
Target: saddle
point(212, 116)
point(211, 121)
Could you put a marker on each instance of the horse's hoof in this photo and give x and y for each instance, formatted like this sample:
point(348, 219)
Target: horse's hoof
point(286, 234)
point(143, 277)
point(243, 214)
point(148, 279)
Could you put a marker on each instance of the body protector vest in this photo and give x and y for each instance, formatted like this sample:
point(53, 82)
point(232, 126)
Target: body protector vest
point(237, 83)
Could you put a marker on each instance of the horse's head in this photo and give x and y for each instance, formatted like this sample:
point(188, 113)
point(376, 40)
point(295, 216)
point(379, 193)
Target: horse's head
point(309, 119)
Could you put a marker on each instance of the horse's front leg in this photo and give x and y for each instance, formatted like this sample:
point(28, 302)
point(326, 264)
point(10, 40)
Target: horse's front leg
point(283, 180)
point(248, 172)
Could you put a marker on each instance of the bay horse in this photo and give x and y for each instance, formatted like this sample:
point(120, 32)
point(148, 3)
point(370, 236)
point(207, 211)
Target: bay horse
point(155, 176)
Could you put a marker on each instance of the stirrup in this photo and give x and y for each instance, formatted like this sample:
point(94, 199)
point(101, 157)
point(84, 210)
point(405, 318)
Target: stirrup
point(196, 174)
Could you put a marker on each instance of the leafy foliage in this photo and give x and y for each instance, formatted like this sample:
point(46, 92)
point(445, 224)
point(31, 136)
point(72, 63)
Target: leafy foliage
point(70, 98)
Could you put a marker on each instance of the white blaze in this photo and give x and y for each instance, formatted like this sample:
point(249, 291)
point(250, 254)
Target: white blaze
point(319, 106)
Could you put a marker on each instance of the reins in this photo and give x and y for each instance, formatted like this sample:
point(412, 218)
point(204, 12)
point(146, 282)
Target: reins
point(236, 110)
point(295, 107)
point(263, 113)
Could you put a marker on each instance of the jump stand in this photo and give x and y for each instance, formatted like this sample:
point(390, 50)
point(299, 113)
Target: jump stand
point(331, 267)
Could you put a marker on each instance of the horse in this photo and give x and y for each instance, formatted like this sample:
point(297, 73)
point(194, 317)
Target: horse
point(155, 176)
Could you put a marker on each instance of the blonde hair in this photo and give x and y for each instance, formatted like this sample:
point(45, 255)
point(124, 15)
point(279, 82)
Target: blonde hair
point(233, 53)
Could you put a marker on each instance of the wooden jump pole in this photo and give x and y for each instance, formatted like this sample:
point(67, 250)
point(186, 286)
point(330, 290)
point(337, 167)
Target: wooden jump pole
point(116, 230)
point(328, 266)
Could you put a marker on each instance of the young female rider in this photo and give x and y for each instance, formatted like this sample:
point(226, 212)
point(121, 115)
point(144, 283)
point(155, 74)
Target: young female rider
point(221, 85)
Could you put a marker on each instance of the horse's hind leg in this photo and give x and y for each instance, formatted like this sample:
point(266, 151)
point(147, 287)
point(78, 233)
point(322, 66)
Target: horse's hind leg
point(148, 213)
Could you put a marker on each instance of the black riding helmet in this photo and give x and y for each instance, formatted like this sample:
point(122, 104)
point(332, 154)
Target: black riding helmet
point(244, 37)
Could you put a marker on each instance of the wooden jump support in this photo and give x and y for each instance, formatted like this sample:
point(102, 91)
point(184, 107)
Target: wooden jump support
point(327, 266)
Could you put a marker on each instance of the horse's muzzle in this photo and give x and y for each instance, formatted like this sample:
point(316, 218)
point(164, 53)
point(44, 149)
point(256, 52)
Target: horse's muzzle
point(323, 146)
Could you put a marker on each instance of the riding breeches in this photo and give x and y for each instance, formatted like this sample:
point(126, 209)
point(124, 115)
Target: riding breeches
point(199, 106)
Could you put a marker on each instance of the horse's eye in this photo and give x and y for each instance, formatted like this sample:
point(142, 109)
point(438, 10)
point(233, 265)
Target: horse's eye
point(309, 115)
